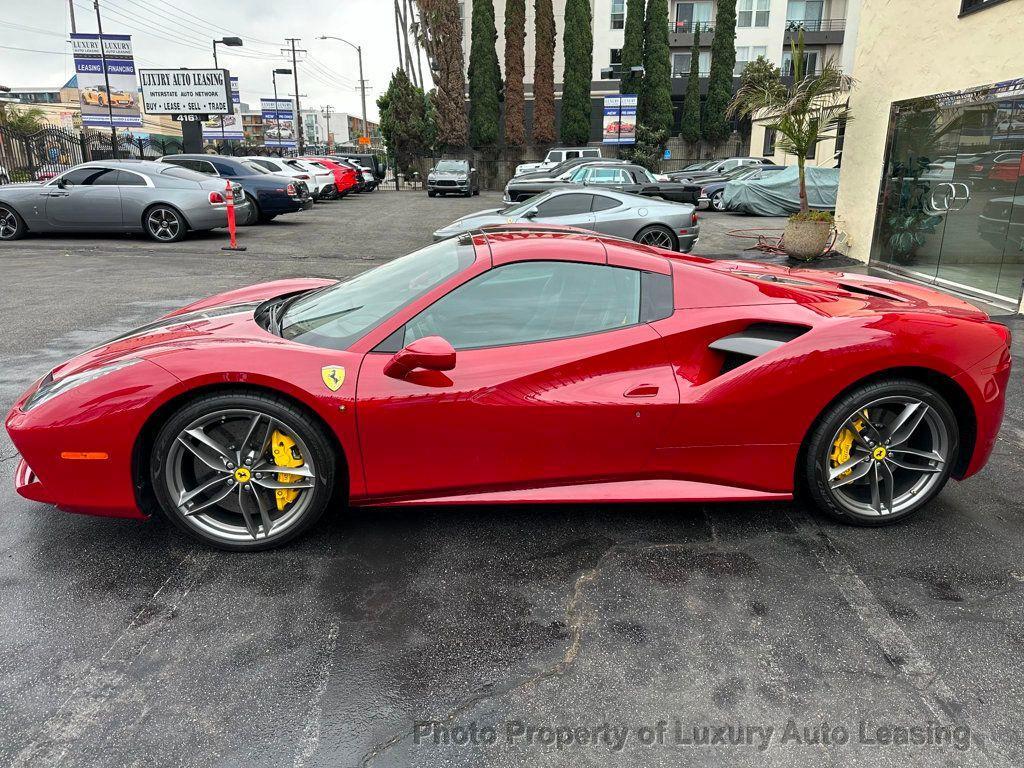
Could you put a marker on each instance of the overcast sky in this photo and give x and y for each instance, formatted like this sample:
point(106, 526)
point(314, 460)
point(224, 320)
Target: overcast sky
point(179, 34)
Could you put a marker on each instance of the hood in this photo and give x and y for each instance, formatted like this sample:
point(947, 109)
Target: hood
point(473, 221)
point(448, 174)
point(218, 319)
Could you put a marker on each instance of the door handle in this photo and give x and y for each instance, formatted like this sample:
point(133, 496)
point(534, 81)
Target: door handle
point(642, 390)
point(56, 194)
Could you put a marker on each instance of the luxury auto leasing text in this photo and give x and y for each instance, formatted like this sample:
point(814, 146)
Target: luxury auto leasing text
point(668, 732)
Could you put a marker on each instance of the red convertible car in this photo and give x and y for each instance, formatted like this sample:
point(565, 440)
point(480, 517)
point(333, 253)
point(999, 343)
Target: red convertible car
point(521, 364)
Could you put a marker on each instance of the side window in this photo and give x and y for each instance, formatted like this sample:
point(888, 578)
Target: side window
point(85, 176)
point(223, 169)
point(602, 203)
point(564, 205)
point(591, 153)
point(571, 155)
point(129, 179)
point(200, 166)
point(656, 297)
point(104, 178)
point(532, 301)
point(606, 176)
point(624, 178)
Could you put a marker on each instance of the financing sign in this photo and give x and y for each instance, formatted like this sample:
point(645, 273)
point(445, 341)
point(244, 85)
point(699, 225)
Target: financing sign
point(186, 91)
point(100, 105)
point(226, 127)
point(278, 122)
point(620, 119)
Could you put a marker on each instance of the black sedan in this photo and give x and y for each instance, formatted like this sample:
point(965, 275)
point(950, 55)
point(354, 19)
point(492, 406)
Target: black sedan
point(622, 177)
point(269, 195)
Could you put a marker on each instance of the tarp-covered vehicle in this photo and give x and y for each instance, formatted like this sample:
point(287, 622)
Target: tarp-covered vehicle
point(778, 194)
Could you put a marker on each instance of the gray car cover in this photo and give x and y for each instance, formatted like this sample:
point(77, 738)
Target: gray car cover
point(778, 194)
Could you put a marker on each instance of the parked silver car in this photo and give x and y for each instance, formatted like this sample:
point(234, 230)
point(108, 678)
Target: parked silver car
point(164, 201)
point(650, 221)
point(453, 176)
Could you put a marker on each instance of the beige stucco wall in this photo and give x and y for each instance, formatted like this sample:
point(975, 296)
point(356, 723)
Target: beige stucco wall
point(824, 155)
point(908, 49)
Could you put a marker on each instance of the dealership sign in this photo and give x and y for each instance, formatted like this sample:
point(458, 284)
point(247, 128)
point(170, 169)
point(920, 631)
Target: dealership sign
point(619, 125)
point(278, 122)
point(228, 127)
point(186, 91)
point(102, 105)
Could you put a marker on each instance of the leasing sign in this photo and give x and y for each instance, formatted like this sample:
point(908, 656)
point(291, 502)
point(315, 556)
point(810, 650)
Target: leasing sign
point(186, 91)
point(103, 105)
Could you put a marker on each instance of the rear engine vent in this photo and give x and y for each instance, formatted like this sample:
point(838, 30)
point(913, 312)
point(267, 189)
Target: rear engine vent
point(754, 341)
point(865, 291)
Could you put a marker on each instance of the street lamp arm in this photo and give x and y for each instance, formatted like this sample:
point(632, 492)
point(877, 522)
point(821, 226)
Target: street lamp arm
point(340, 39)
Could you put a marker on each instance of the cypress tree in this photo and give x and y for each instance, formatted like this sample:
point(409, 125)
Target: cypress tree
point(578, 44)
point(544, 74)
point(689, 126)
point(656, 90)
point(715, 125)
point(484, 77)
point(515, 37)
point(633, 46)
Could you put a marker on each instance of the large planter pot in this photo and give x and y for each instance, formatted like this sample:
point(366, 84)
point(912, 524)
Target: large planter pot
point(805, 240)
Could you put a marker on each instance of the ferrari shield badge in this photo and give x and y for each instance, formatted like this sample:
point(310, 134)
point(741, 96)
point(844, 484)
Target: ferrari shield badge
point(333, 376)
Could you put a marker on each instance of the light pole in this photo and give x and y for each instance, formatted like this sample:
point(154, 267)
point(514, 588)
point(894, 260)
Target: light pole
point(106, 81)
point(327, 112)
point(234, 42)
point(277, 112)
point(362, 82)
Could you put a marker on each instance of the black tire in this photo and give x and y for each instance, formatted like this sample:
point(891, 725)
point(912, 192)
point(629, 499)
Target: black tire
point(12, 226)
point(431, 193)
point(295, 421)
point(659, 232)
point(266, 218)
point(253, 214)
point(812, 474)
point(717, 201)
point(164, 223)
point(476, 191)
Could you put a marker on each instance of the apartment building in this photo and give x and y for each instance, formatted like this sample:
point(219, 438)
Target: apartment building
point(763, 28)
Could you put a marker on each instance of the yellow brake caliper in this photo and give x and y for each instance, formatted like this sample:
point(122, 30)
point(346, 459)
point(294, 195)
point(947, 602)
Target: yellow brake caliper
point(843, 445)
point(285, 455)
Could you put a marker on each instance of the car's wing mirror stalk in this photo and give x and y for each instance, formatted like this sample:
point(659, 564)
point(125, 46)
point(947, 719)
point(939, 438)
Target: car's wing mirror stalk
point(431, 353)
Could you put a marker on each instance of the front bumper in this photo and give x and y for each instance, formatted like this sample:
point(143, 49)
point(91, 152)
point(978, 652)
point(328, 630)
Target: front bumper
point(459, 186)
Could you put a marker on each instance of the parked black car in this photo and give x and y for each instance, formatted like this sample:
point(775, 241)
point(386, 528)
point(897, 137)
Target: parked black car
point(367, 160)
point(269, 195)
point(623, 177)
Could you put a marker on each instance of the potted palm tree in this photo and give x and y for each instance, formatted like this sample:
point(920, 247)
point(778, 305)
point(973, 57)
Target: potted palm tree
point(802, 114)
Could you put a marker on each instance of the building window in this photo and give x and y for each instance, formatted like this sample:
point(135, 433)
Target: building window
point(806, 13)
point(615, 62)
point(969, 6)
point(681, 64)
point(810, 63)
point(840, 135)
point(745, 55)
point(752, 13)
point(618, 14)
point(769, 142)
point(692, 16)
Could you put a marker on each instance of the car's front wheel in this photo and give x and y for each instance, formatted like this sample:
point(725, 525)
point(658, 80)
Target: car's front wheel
point(12, 226)
point(242, 471)
point(718, 200)
point(164, 224)
point(881, 453)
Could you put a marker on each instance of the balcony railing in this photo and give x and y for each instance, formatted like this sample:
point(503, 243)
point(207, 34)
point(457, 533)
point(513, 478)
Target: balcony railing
point(817, 25)
point(701, 73)
point(689, 27)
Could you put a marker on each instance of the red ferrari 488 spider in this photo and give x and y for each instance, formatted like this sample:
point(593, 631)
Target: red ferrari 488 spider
point(521, 365)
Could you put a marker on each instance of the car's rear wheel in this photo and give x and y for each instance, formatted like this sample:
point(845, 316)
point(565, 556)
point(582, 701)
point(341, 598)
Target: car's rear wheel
point(164, 224)
point(882, 452)
point(658, 236)
point(718, 200)
point(12, 226)
point(242, 471)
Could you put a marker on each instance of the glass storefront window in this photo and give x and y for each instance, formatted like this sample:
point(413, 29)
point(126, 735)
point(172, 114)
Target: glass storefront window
point(951, 209)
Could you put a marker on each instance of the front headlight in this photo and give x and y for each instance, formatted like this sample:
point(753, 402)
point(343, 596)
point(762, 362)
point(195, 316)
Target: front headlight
point(49, 389)
point(462, 177)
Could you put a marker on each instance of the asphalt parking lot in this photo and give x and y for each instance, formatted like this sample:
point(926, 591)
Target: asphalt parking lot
point(393, 638)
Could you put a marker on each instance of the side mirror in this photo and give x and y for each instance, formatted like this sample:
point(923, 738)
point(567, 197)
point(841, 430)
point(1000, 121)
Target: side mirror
point(472, 170)
point(62, 183)
point(431, 353)
point(531, 214)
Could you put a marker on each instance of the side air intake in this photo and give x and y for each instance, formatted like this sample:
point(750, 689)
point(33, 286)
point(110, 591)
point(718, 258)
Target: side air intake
point(754, 341)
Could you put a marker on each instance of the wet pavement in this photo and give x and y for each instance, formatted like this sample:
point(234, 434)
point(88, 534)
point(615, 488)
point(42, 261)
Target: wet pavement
point(635, 635)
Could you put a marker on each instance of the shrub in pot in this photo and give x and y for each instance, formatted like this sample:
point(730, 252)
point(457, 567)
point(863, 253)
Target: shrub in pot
point(807, 233)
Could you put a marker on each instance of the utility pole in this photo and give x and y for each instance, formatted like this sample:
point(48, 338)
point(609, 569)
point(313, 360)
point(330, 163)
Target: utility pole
point(362, 82)
point(106, 80)
point(71, 7)
point(327, 112)
point(295, 73)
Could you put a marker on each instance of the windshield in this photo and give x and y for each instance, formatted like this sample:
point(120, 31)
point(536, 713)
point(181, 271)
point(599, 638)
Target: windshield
point(740, 172)
point(340, 315)
point(184, 173)
point(452, 166)
point(522, 207)
point(699, 166)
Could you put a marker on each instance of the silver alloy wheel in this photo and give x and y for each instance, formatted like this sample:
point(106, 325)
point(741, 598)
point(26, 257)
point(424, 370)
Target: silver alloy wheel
point(8, 223)
point(718, 201)
point(657, 237)
point(164, 224)
point(897, 455)
point(221, 473)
